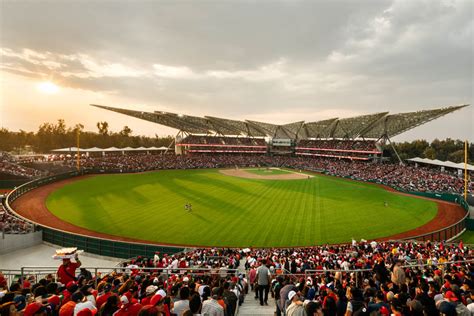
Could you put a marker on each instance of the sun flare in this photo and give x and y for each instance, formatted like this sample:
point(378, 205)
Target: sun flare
point(48, 87)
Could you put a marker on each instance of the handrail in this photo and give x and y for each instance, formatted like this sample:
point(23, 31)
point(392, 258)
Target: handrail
point(191, 270)
point(356, 271)
point(403, 266)
point(288, 273)
point(132, 268)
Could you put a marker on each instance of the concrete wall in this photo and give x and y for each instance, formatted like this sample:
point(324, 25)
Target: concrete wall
point(12, 242)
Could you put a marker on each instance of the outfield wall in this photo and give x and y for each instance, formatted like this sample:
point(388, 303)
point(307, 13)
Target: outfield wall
point(119, 249)
point(94, 245)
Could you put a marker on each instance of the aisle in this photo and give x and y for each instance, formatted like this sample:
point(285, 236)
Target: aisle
point(251, 306)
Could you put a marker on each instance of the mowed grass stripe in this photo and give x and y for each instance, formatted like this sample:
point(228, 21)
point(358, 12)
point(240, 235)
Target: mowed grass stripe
point(231, 211)
point(286, 222)
point(265, 212)
point(295, 207)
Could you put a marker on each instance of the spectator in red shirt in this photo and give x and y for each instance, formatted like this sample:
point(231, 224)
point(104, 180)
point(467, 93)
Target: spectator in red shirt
point(67, 270)
point(102, 298)
point(128, 308)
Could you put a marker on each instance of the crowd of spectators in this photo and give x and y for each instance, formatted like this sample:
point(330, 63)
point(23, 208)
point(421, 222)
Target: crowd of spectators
point(18, 170)
point(223, 140)
point(409, 178)
point(162, 285)
point(323, 148)
point(336, 145)
point(10, 224)
point(388, 278)
point(405, 177)
point(366, 278)
point(9, 166)
point(349, 149)
point(202, 144)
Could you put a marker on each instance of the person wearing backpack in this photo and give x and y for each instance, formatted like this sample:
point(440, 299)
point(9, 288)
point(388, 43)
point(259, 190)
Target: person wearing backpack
point(356, 305)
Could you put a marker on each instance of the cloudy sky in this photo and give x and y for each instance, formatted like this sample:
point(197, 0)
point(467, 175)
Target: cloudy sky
point(274, 61)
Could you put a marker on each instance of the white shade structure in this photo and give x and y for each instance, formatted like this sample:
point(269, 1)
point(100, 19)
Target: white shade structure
point(446, 164)
point(112, 149)
point(68, 150)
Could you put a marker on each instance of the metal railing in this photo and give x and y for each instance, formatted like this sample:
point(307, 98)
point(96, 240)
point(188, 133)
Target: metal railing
point(445, 233)
point(37, 273)
point(358, 272)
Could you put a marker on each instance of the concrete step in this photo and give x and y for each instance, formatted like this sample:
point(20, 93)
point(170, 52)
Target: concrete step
point(252, 306)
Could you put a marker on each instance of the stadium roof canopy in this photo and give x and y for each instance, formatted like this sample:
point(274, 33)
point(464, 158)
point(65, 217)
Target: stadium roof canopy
point(377, 125)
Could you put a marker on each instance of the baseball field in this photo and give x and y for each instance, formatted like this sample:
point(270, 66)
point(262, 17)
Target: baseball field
point(237, 208)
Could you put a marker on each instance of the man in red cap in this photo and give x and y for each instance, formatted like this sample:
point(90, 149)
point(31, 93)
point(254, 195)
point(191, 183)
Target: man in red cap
point(34, 309)
point(128, 308)
point(158, 301)
point(102, 298)
point(67, 270)
point(461, 309)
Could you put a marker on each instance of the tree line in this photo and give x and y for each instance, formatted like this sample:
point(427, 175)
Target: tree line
point(58, 135)
point(447, 149)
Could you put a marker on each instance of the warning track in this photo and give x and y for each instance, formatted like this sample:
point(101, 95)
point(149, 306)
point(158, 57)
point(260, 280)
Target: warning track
point(32, 206)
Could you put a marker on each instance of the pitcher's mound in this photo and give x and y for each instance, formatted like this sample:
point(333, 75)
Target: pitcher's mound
point(243, 173)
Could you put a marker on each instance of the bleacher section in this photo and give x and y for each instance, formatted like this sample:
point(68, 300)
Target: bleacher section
point(10, 224)
point(219, 144)
point(349, 149)
point(332, 148)
point(10, 169)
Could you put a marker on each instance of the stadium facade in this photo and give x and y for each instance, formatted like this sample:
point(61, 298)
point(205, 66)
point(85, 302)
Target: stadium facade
point(356, 137)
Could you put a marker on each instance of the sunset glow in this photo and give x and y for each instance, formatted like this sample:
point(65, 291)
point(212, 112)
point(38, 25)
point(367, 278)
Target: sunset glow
point(48, 87)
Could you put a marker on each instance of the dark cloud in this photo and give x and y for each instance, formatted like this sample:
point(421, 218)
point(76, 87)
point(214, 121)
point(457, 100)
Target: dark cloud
point(227, 34)
point(310, 59)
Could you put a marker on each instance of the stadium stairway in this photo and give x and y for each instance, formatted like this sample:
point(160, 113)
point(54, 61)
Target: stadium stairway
point(251, 306)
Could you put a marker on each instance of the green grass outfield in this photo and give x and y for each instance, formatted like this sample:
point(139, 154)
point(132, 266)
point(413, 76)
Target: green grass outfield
point(236, 212)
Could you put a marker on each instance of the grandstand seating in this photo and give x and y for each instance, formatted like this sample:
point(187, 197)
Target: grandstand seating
point(351, 149)
point(10, 224)
point(398, 278)
point(14, 170)
point(221, 144)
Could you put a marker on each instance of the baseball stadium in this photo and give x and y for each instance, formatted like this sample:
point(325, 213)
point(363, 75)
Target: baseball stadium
point(251, 184)
point(236, 158)
point(226, 191)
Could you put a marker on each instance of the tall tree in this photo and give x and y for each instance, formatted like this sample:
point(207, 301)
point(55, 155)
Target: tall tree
point(103, 128)
point(126, 131)
point(429, 153)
